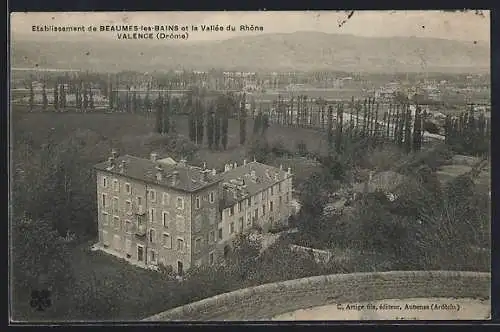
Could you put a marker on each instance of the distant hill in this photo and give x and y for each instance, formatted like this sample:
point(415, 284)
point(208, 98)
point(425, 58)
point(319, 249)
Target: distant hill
point(293, 51)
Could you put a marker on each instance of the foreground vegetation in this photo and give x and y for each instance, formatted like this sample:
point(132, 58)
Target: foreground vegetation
point(428, 227)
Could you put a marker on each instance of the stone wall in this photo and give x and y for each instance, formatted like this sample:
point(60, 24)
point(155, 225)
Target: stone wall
point(266, 301)
point(320, 256)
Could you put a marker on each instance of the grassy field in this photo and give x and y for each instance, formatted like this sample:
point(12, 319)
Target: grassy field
point(121, 127)
point(114, 290)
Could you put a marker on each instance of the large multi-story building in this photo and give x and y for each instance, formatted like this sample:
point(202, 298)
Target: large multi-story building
point(159, 211)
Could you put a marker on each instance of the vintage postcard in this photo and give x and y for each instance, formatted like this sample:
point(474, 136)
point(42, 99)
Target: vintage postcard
point(250, 166)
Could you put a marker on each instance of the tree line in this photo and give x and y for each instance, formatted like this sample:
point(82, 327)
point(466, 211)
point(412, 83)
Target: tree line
point(469, 133)
point(83, 92)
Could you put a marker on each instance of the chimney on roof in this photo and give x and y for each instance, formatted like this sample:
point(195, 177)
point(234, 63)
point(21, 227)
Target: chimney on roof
point(159, 172)
point(226, 167)
point(289, 171)
point(235, 165)
point(122, 166)
point(111, 163)
point(244, 162)
point(281, 167)
point(153, 156)
point(114, 153)
point(204, 165)
point(175, 177)
point(205, 173)
point(182, 162)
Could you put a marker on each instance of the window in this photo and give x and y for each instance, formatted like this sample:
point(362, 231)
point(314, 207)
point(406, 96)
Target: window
point(211, 216)
point(128, 226)
point(105, 218)
point(287, 197)
point(104, 182)
point(152, 255)
point(152, 215)
point(263, 195)
point(128, 206)
point(128, 189)
point(197, 223)
point(239, 206)
point(231, 228)
point(115, 204)
point(180, 268)
point(211, 258)
point(116, 222)
point(180, 225)
point(128, 248)
point(241, 221)
point(272, 190)
point(140, 222)
point(211, 237)
point(271, 206)
point(152, 195)
point(198, 203)
point(197, 245)
point(180, 245)
point(263, 209)
point(231, 211)
point(280, 201)
point(165, 199)
point(139, 200)
point(212, 197)
point(117, 243)
point(256, 214)
point(105, 240)
point(180, 203)
point(279, 187)
point(103, 201)
point(116, 185)
point(249, 201)
point(152, 235)
point(140, 253)
point(220, 233)
point(165, 219)
point(167, 241)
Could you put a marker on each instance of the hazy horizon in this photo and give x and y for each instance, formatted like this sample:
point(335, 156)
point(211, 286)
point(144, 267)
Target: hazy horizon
point(460, 26)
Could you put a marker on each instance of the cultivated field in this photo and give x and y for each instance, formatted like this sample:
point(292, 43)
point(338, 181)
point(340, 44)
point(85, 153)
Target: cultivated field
point(122, 127)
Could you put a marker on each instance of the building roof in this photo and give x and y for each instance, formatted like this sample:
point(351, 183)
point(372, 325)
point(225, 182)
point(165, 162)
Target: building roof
point(189, 178)
point(168, 161)
point(248, 180)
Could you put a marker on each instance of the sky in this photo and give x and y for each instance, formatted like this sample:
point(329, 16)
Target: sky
point(463, 26)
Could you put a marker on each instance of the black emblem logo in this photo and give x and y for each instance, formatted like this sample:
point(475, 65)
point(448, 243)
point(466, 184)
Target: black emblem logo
point(40, 300)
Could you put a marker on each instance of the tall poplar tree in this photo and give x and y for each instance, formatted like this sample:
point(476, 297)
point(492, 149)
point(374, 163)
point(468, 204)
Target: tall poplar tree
point(45, 101)
point(56, 96)
point(330, 125)
point(32, 96)
point(159, 115)
point(225, 125)
point(200, 121)
point(243, 120)
point(91, 99)
point(210, 126)
point(407, 132)
point(166, 114)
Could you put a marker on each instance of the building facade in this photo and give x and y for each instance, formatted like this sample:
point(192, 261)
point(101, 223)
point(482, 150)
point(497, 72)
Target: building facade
point(159, 211)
